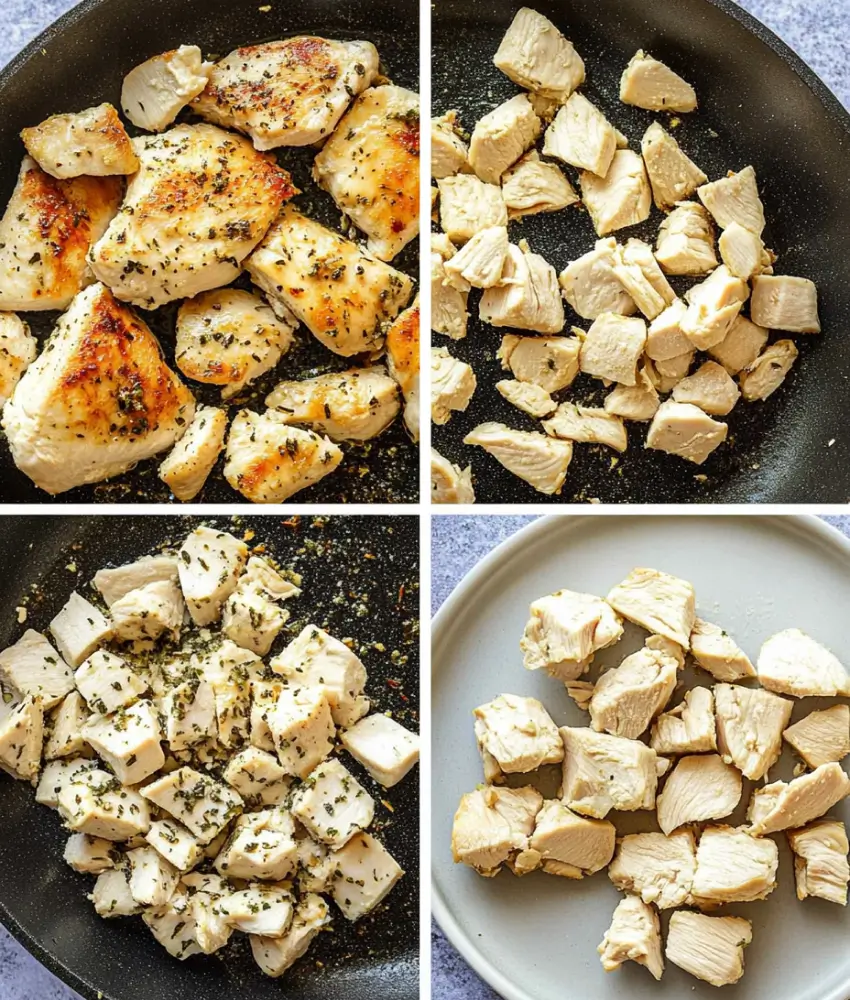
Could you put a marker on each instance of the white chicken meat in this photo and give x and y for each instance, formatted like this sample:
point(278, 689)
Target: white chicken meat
point(189, 463)
point(536, 458)
point(157, 90)
point(93, 142)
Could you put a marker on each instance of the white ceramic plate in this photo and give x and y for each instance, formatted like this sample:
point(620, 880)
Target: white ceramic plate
point(535, 938)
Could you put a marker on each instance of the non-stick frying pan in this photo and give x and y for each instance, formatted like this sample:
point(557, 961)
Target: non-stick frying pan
point(80, 61)
point(360, 580)
point(759, 104)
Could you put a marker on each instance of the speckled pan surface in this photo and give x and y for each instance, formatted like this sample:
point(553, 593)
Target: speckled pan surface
point(759, 104)
point(80, 61)
point(535, 938)
point(360, 580)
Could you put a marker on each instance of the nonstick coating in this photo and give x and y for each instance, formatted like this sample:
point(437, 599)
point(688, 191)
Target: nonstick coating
point(80, 61)
point(360, 580)
point(759, 104)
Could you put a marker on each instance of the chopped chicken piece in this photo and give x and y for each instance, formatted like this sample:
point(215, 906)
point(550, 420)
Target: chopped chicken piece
point(622, 198)
point(449, 150)
point(661, 603)
point(501, 137)
point(698, 788)
point(785, 805)
point(65, 738)
point(95, 802)
point(820, 860)
point(210, 565)
point(201, 804)
point(551, 363)
point(791, 662)
point(743, 252)
point(57, 775)
point(532, 186)
point(93, 143)
point(634, 936)
point(581, 692)
point(468, 205)
point(493, 825)
point(175, 844)
point(89, 855)
point(638, 272)
point(33, 668)
point(129, 741)
point(683, 429)
point(735, 198)
point(157, 90)
point(612, 348)
point(517, 734)
point(633, 402)
point(187, 466)
point(257, 777)
point(302, 729)
point(352, 808)
point(528, 397)
point(449, 314)
point(450, 483)
point(664, 338)
point(452, 385)
point(650, 84)
point(364, 873)
point(713, 307)
point(781, 302)
point(385, 748)
point(581, 136)
point(18, 349)
point(749, 727)
point(538, 459)
point(287, 93)
point(569, 845)
point(588, 425)
point(111, 895)
point(590, 285)
point(251, 618)
point(765, 375)
point(709, 948)
point(481, 261)
point(527, 297)
point(733, 867)
point(535, 55)
point(259, 910)
point(673, 176)
point(669, 373)
point(603, 772)
point(716, 651)
point(108, 683)
point(152, 878)
point(261, 846)
point(173, 926)
point(821, 737)
point(275, 955)
point(685, 242)
point(710, 388)
point(21, 737)
point(688, 728)
point(741, 345)
point(402, 347)
point(114, 583)
point(656, 868)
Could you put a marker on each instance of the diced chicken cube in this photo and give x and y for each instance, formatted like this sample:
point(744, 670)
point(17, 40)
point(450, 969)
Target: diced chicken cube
point(540, 460)
point(113, 584)
point(634, 936)
point(210, 564)
point(590, 285)
point(501, 137)
point(743, 252)
point(527, 396)
point(733, 867)
point(713, 307)
point(275, 955)
point(569, 845)
point(152, 878)
point(259, 909)
point(735, 198)
point(449, 151)
point(175, 843)
point(148, 612)
point(107, 682)
point(664, 338)
point(190, 716)
point(18, 349)
point(468, 205)
point(698, 788)
point(79, 629)
point(58, 774)
point(673, 176)
point(201, 804)
point(685, 243)
point(250, 619)
point(717, 652)
point(452, 384)
point(516, 735)
point(820, 860)
point(450, 483)
point(586, 424)
point(532, 186)
point(257, 777)
point(710, 388)
point(709, 948)
point(493, 825)
point(93, 142)
point(551, 363)
point(129, 741)
point(154, 92)
point(261, 846)
point(481, 261)
point(683, 429)
point(364, 875)
point(384, 747)
point(688, 728)
point(638, 272)
point(351, 807)
point(821, 737)
point(657, 601)
point(633, 402)
point(174, 927)
point(791, 662)
point(650, 84)
point(781, 302)
point(315, 864)
point(786, 805)
point(603, 772)
point(227, 669)
point(656, 868)
point(95, 802)
point(612, 348)
point(21, 737)
point(187, 466)
point(765, 375)
point(535, 55)
point(208, 901)
point(622, 198)
point(64, 737)
point(90, 855)
point(741, 345)
point(527, 297)
point(112, 897)
point(449, 314)
point(581, 136)
point(302, 728)
point(33, 667)
point(750, 723)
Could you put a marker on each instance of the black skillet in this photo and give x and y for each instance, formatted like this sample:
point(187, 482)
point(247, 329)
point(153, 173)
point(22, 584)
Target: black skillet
point(360, 580)
point(80, 61)
point(759, 104)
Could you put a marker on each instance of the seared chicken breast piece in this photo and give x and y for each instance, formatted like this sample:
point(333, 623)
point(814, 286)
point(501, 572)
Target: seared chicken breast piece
point(718, 653)
point(821, 737)
point(528, 397)
point(590, 285)
point(581, 136)
point(698, 788)
point(536, 56)
point(766, 374)
point(518, 734)
point(657, 601)
point(501, 137)
point(656, 868)
point(402, 347)
point(93, 142)
point(98, 400)
point(267, 460)
point(449, 150)
point(622, 198)
point(820, 860)
point(787, 805)
point(189, 463)
point(612, 348)
point(688, 728)
point(685, 242)
point(664, 337)
point(287, 93)
point(532, 186)
point(588, 425)
point(710, 388)
point(157, 90)
point(733, 867)
point(229, 337)
point(468, 205)
point(449, 315)
point(634, 936)
point(781, 302)
point(683, 429)
point(354, 405)
point(527, 297)
point(200, 202)
point(633, 402)
point(343, 295)
point(673, 176)
point(370, 167)
point(638, 272)
point(548, 362)
point(735, 198)
point(540, 460)
point(741, 345)
point(791, 662)
point(749, 727)
point(603, 772)
point(452, 385)
point(18, 349)
point(649, 84)
point(450, 483)
point(492, 825)
point(481, 261)
point(743, 252)
point(45, 235)
point(713, 306)
point(709, 948)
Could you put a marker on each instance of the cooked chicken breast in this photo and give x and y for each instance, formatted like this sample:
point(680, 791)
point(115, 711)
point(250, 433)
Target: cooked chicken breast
point(633, 402)
point(450, 483)
point(590, 285)
point(612, 348)
point(548, 362)
point(664, 337)
point(93, 142)
point(698, 788)
point(749, 727)
point(733, 867)
point(586, 424)
point(532, 186)
point(786, 805)
point(791, 662)
point(527, 297)
point(638, 272)
point(229, 337)
point(718, 653)
point(743, 252)
point(526, 396)
point(666, 375)
point(157, 90)
point(449, 150)
point(656, 868)
point(661, 603)
point(622, 198)
point(267, 460)
point(481, 261)
point(709, 948)
point(685, 242)
point(200, 202)
point(540, 460)
point(781, 302)
point(683, 429)
point(354, 405)
point(449, 295)
point(402, 347)
point(492, 825)
point(189, 463)
point(287, 93)
point(452, 385)
point(501, 137)
point(673, 176)
point(344, 296)
point(581, 136)
point(649, 84)
point(634, 936)
point(18, 349)
point(741, 345)
point(735, 198)
point(45, 235)
point(536, 56)
point(518, 734)
point(569, 845)
point(688, 728)
point(468, 205)
point(821, 737)
point(710, 388)
point(713, 306)
point(603, 772)
point(98, 401)
point(820, 860)
point(370, 167)
point(766, 374)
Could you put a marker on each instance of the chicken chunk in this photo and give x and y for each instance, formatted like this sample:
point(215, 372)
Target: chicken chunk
point(452, 385)
point(741, 345)
point(539, 460)
point(275, 955)
point(786, 805)
point(493, 825)
point(581, 136)
point(65, 738)
point(689, 728)
point(287, 93)
point(664, 338)
point(569, 845)
point(656, 868)
point(402, 347)
point(821, 737)
point(633, 402)
point(449, 150)
point(21, 737)
point(661, 603)
point(673, 176)
point(32, 668)
point(189, 463)
point(92, 143)
point(750, 723)
point(370, 167)
point(590, 285)
point(713, 307)
point(501, 137)
point(638, 272)
point(709, 948)
point(302, 729)
point(450, 483)
point(481, 261)
point(551, 363)
point(157, 90)
point(781, 302)
point(710, 388)
point(536, 56)
point(201, 804)
point(18, 349)
point(685, 243)
point(352, 808)
point(683, 429)
point(79, 629)
point(384, 747)
point(622, 198)
point(634, 936)
point(698, 788)
point(820, 860)
point(650, 84)
point(96, 803)
point(612, 348)
point(733, 867)
point(603, 772)
point(791, 662)
point(114, 583)
point(517, 734)
point(743, 252)
point(532, 186)
point(527, 297)
point(767, 373)
point(586, 424)
point(735, 198)
point(468, 205)
point(449, 314)
point(526, 396)
point(364, 875)
point(45, 235)
point(261, 846)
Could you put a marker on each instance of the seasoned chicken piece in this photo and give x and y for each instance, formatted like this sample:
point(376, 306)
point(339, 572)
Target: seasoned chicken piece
point(741, 345)
point(449, 150)
point(187, 466)
point(673, 176)
point(581, 136)
point(275, 955)
point(450, 483)
point(501, 137)
point(586, 424)
point(536, 56)
point(781, 302)
point(481, 261)
point(540, 460)
point(683, 429)
point(287, 93)
point(449, 314)
point(229, 337)
point(765, 375)
point(820, 860)
point(45, 235)
point(79, 629)
point(785, 805)
point(21, 737)
point(114, 583)
point(532, 186)
point(569, 845)
point(791, 662)
point(92, 142)
point(548, 362)
point(603, 772)
point(590, 285)
point(526, 396)
point(709, 948)
point(634, 936)
point(698, 788)
point(710, 388)
point(622, 198)
point(402, 347)
point(650, 84)
point(385, 748)
point(492, 825)
point(344, 296)
point(267, 460)
point(633, 402)
point(452, 385)
point(685, 242)
point(735, 198)
point(99, 401)
point(656, 868)
point(157, 90)
point(468, 205)
point(664, 338)
point(18, 349)
point(688, 728)
point(733, 867)
point(612, 348)
point(370, 167)
point(749, 727)
point(638, 272)
point(743, 252)
point(65, 732)
point(149, 611)
point(713, 307)
point(364, 874)
point(527, 297)
point(517, 734)
point(821, 737)
point(660, 603)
